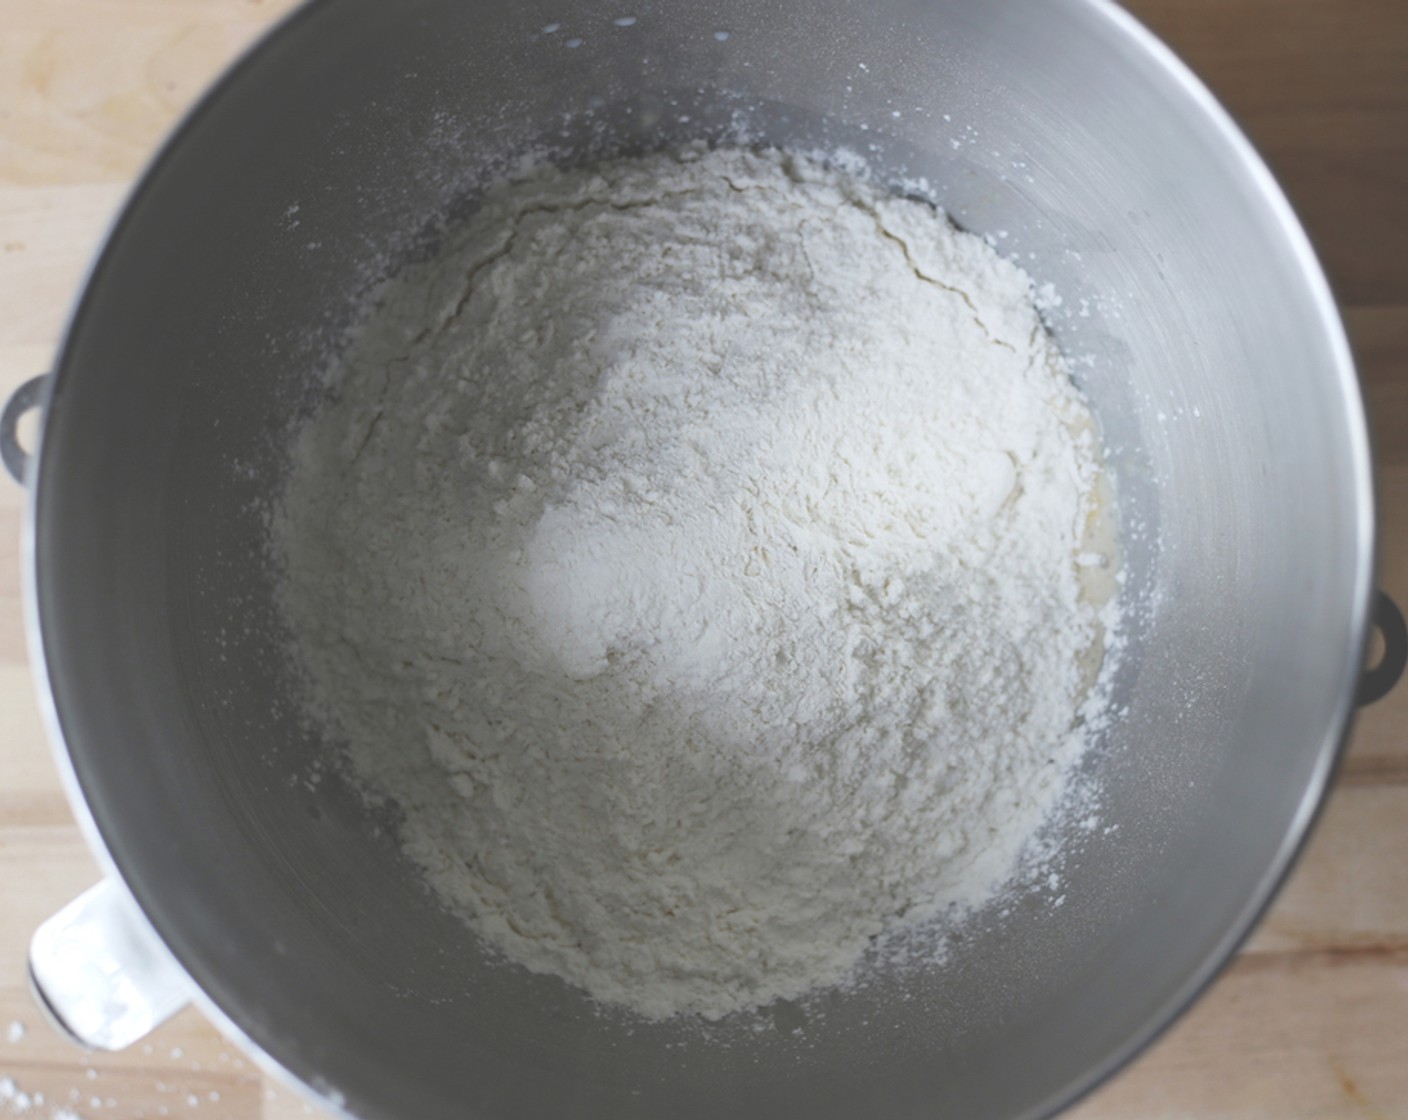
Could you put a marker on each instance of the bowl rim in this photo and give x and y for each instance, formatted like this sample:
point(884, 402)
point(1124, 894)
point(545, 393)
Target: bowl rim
point(1214, 116)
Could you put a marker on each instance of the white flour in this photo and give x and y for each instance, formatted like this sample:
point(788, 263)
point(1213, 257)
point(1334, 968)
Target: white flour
point(690, 552)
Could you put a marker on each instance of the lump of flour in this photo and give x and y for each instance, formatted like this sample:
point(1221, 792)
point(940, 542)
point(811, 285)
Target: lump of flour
point(689, 550)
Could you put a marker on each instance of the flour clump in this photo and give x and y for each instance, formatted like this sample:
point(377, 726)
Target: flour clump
point(689, 549)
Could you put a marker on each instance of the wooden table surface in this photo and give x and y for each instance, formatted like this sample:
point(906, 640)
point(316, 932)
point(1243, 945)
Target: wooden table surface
point(1310, 1021)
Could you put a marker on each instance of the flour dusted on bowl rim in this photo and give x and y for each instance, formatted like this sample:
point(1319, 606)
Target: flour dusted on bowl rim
point(690, 550)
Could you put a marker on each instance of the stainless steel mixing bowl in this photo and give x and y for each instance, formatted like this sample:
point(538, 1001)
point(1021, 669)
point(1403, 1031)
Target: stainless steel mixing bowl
point(1207, 340)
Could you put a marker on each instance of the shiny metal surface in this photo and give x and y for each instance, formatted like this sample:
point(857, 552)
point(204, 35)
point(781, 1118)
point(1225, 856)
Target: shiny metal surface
point(1211, 351)
point(25, 399)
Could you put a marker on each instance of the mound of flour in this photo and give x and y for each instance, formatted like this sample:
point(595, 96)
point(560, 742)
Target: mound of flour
point(689, 550)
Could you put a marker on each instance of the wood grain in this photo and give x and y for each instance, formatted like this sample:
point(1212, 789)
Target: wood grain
point(1309, 1022)
point(1320, 86)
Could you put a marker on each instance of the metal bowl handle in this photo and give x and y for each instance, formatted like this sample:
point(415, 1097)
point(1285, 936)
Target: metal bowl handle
point(27, 396)
point(1378, 682)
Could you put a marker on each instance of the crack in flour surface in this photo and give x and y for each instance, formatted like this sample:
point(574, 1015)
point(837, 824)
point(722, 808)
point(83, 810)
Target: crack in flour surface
point(690, 550)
